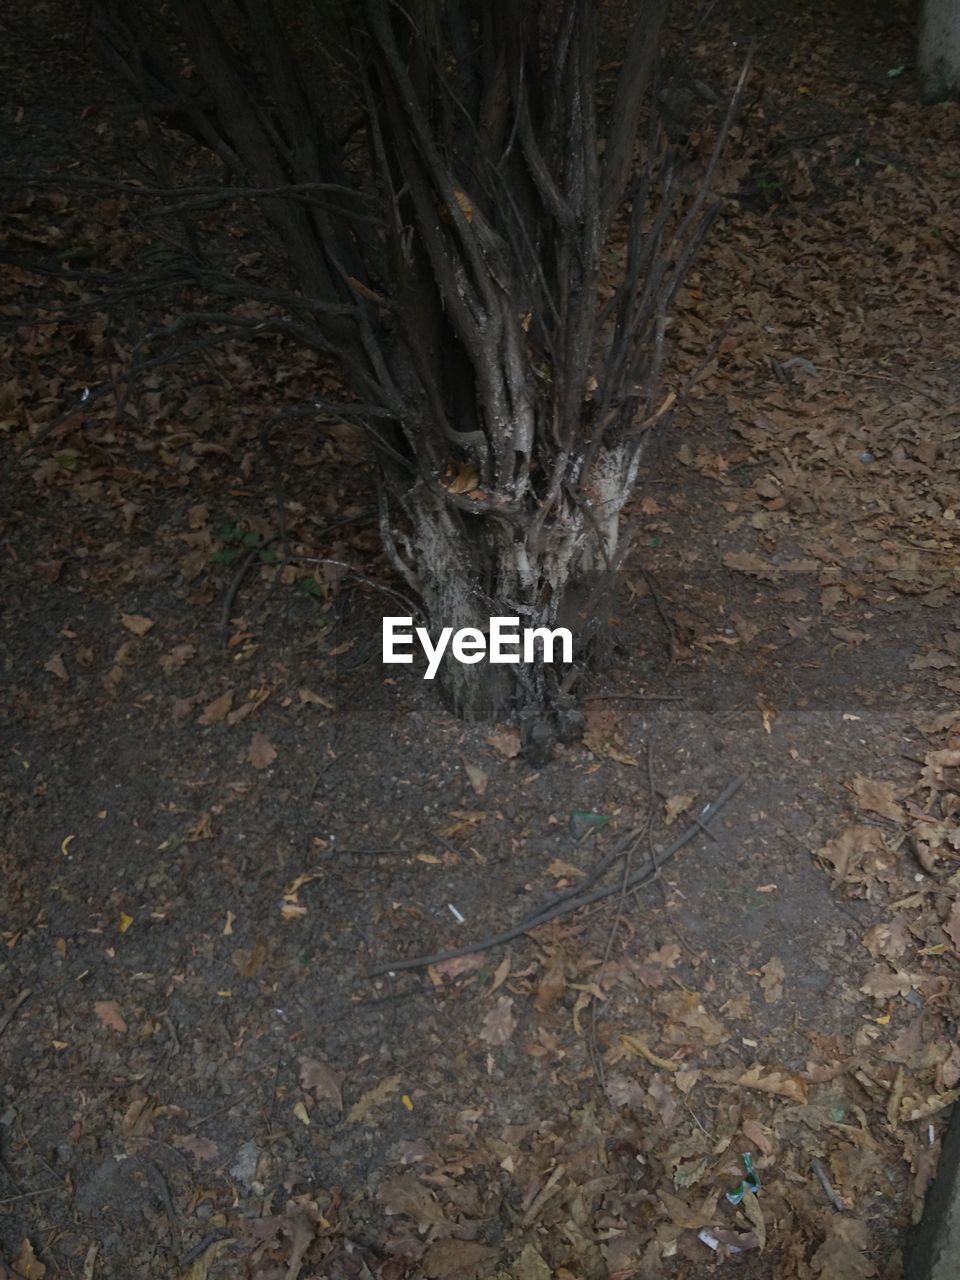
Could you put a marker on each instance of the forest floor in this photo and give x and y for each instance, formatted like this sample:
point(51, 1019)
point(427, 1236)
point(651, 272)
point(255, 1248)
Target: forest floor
point(214, 829)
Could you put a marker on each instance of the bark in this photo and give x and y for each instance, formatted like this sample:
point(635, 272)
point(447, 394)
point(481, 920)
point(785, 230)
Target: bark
point(440, 185)
point(938, 50)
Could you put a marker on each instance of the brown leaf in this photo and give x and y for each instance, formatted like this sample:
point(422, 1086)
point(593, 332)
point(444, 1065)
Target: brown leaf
point(772, 980)
point(499, 1023)
point(675, 805)
point(777, 1080)
point(455, 1259)
point(136, 623)
point(505, 742)
point(374, 1098)
point(262, 752)
point(478, 779)
point(26, 1265)
point(137, 1120)
point(56, 668)
point(309, 698)
point(249, 963)
point(883, 983)
point(458, 966)
point(952, 925)
point(199, 1148)
point(108, 1011)
point(877, 797)
point(178, 657)
point(686, 1009)
point(759, 1136)
point(407, 1195)
point(216, 710)
point(552, 983)
point(321, 1079)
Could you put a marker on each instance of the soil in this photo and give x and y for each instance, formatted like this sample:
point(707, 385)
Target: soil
point(214, 830)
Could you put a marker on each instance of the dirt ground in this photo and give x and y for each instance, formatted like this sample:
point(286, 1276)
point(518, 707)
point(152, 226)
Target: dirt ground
point(220, 812)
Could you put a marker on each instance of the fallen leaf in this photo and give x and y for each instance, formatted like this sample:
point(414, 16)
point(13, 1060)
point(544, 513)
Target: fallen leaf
point(108, 1011)
point(323, 1082)
point(675, 805)
point(552, 983)
point(685, 1009)
point(216, 710)
point(458, 966)
point(639, 1048)
point(56, 668)
point(178, 657)
point(455, 1259)
point(262, 752)
point(198, 1148)
point(505, 742)
point(499, 1023)
point(26, 1265)
point(877, 797)
point(407, 1195)
point(952, 925)
point(374, 1098)
point(772, 980)
point(776, 1080)
point(309, 698)
point(136, 623)
point(478, 779)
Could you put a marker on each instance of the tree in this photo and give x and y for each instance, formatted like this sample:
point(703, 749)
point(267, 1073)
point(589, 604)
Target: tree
point(938, 50)
point(441, 181)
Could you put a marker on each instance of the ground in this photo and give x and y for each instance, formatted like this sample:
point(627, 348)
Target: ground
point(221, 813)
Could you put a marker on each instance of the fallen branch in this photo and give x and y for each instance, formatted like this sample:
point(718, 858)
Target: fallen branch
point(566, 905)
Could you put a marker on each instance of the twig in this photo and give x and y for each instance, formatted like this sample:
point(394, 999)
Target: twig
point(832, 1195)
point(30, 1195)
point(8, 1017)
point(635, 697)
point(635, 880)
point(234, 587)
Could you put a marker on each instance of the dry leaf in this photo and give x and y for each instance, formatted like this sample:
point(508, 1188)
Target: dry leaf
point(501, 974)
point(56, 668)
point(458, 966)
point(216, 710)
point(952, 925)
point(137, 1121)
point(136, 623)
point(108, 1011)
point(685, 1009)
point(506, 743)
point(178, 657)
point(877, 797)
point(262, 752)
point(199, 1148)
point(406, 1194)
point(309, 698)
point(639, 1048)
point(675, 805)
point(455, 1259)
point(26, 1265)
point(368, 1102)
point(772, 980)
point(478, 779)
point(777, 1080)
point(883, 983)
point(499, 1023)
point(321, 1079)
point(552, 983)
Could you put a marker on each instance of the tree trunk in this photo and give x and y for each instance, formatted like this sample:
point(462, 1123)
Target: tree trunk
point(558, 573)
point(938, 50)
